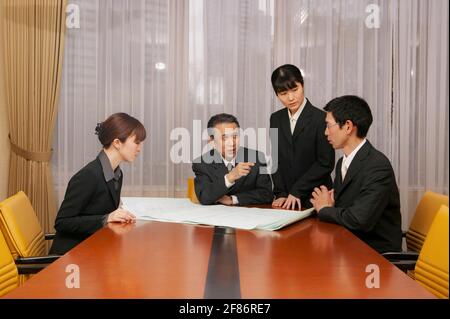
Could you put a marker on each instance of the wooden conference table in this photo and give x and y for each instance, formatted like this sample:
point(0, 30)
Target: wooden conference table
point(309, 259)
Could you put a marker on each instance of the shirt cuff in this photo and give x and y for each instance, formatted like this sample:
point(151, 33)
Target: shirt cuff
point(105, 219)
point(227, 183)
point(234, 199)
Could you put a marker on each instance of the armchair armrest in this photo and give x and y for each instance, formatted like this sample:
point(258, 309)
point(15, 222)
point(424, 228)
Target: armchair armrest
point(49, 236)
point(403, 260)
point(401, 256)
point(36, 260)
point(405, 265)
point(30, 269)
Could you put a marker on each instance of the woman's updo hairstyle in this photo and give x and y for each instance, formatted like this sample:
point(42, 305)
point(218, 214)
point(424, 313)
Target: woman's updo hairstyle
point(120, 126)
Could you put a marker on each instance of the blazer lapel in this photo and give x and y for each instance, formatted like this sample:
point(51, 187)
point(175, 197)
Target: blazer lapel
point(303, 120)
point(114, 197)
point(113, 193)
point(217, 163)
point(338, 178)
point(286, 125)
point(355, 166)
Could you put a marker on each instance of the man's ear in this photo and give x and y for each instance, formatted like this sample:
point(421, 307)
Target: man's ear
point(350, 127)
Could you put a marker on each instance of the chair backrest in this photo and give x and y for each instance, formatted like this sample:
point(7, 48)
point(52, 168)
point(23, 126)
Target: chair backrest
point(423, 217)
point(191, 190)
point(21, 228)
point(9, 278)
point(432, 266)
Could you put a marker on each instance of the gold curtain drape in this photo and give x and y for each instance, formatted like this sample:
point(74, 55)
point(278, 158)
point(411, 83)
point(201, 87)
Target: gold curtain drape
point(33, 43)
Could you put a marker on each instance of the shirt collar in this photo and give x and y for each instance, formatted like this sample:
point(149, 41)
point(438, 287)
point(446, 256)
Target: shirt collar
point(233, 161)
point(299, 111)
point(107, 168)
point(347, 160)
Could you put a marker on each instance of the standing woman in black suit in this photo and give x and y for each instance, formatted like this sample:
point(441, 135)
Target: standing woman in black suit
point(305, 158)
point(92, 197)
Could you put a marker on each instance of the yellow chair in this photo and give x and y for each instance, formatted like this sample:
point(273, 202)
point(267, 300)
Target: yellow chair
point(21, 228)
point(191, 191)
point(415, 236)
point(10, 272)
point(9, 276)
point(22, 231)
point(423, 217)
point(431, 270)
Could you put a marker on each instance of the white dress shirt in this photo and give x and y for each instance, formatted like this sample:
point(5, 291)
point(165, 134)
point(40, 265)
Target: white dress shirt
point(294, 118)
point(347, 160)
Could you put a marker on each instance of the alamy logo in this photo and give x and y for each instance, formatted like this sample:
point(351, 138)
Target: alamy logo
point(373, 19)
point(73, 279)
point(73, 16)
point(373, 279)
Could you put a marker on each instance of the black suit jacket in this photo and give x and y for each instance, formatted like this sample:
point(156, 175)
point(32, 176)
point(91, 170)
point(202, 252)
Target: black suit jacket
point(88, 199)
point(210, 170)
point(367, 202)
point(305, 158)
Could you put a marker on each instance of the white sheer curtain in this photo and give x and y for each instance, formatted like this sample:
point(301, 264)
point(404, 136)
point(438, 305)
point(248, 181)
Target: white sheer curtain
point(172, 62)
point(167, 63)
point(421, 106)
point(400, 68)
point(110, 67)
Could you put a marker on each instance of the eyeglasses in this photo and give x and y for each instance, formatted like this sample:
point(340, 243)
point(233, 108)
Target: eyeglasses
point(331, 125)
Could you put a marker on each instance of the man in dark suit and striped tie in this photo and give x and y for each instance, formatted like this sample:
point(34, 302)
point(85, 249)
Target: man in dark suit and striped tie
point(229, 174)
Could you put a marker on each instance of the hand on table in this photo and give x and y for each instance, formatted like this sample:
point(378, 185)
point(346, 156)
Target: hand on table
point(279, 202)
point(225, 200)
point(121, 215)
point(291, 203)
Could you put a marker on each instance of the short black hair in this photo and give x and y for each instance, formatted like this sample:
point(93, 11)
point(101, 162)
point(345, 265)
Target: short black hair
point(351, 108)
point(285, 78)
point(219, 119)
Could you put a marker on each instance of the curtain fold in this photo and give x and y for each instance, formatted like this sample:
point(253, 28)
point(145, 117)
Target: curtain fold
point(33, 42)
point(4, 127)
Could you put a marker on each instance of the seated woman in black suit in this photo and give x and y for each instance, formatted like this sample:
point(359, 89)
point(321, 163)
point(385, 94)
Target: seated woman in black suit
point(93, 195)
